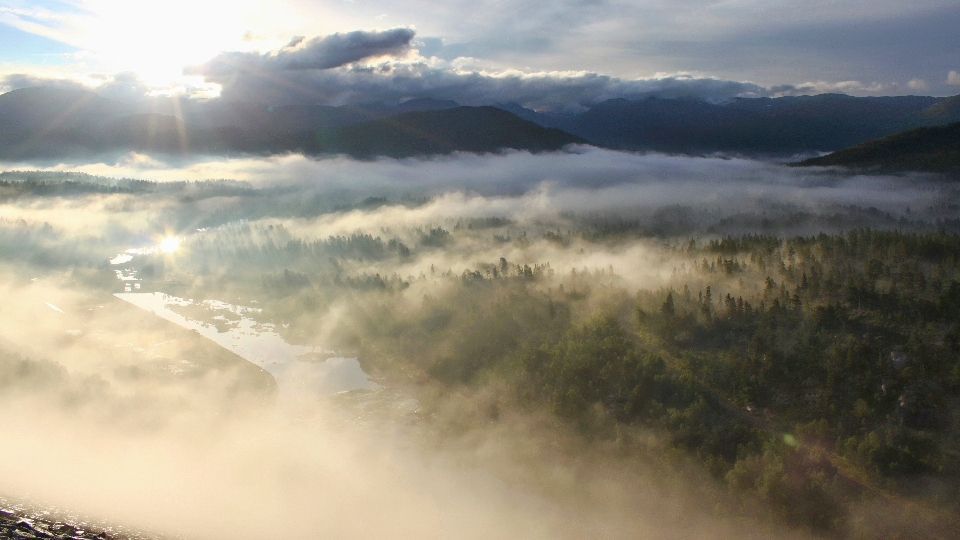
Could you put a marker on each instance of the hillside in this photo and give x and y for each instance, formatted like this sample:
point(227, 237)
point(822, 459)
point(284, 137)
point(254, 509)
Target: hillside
point(467, 129)
point(49, 109)
point(927, 149)
point(943, 111)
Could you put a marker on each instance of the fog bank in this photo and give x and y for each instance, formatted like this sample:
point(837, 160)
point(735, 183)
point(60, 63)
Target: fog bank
point(583, 180)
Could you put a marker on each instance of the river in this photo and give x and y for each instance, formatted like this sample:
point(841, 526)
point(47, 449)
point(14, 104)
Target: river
point(302, 372)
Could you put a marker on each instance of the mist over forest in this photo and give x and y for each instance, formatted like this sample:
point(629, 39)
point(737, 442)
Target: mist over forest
point(496, 269)
point(581, 344)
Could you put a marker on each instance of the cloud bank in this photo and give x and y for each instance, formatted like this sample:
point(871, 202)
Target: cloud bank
point(327, 70)
point(397, 82)
point(394, 65)
point(884, 45)
point(519, 183)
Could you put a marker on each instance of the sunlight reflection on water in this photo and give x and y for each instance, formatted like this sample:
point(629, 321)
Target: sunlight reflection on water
point(263, 346)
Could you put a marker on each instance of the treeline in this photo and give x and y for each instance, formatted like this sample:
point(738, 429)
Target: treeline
point(787, 220)
point(44, 248)
point(242, 249)
point(806, 374)
point(67, 184)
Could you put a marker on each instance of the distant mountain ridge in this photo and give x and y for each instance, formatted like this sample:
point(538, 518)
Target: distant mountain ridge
point(46, 122)
point(754, 126)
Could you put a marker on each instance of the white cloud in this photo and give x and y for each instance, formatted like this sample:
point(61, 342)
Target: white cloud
point(918, 84)
point(823, 87)
point(124, 86)
point(267, 78)
point(953, 78)
point(587, 180)
point(624, 39)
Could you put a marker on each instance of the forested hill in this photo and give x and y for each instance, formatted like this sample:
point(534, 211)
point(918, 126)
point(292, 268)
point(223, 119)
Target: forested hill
point(749, 126)
point(470, 129)
point(927, 149)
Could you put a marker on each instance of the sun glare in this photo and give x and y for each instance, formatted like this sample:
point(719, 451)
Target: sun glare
point(170, 244)
point(157, 40)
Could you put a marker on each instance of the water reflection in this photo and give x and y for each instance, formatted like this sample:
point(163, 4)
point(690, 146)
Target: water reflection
point(232, 328)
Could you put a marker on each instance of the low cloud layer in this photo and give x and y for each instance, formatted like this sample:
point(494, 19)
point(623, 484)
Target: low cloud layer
point(515, 184)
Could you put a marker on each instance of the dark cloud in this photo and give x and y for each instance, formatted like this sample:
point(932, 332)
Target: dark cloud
point(319, 53)
point(318, 71)
point(399, 81)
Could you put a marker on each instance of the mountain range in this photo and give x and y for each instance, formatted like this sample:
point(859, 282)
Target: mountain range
point(756, 127)
point(53, 122)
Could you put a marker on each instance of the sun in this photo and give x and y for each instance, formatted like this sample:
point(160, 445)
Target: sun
point(170, 244)
point(156, 40)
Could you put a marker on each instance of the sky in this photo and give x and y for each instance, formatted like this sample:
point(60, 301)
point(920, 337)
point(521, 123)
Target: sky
point(559, 54)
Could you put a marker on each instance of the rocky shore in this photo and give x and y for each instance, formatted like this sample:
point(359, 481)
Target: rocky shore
point(19, 523)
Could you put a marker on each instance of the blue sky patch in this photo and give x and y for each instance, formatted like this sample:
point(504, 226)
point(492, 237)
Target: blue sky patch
point(20, 46)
